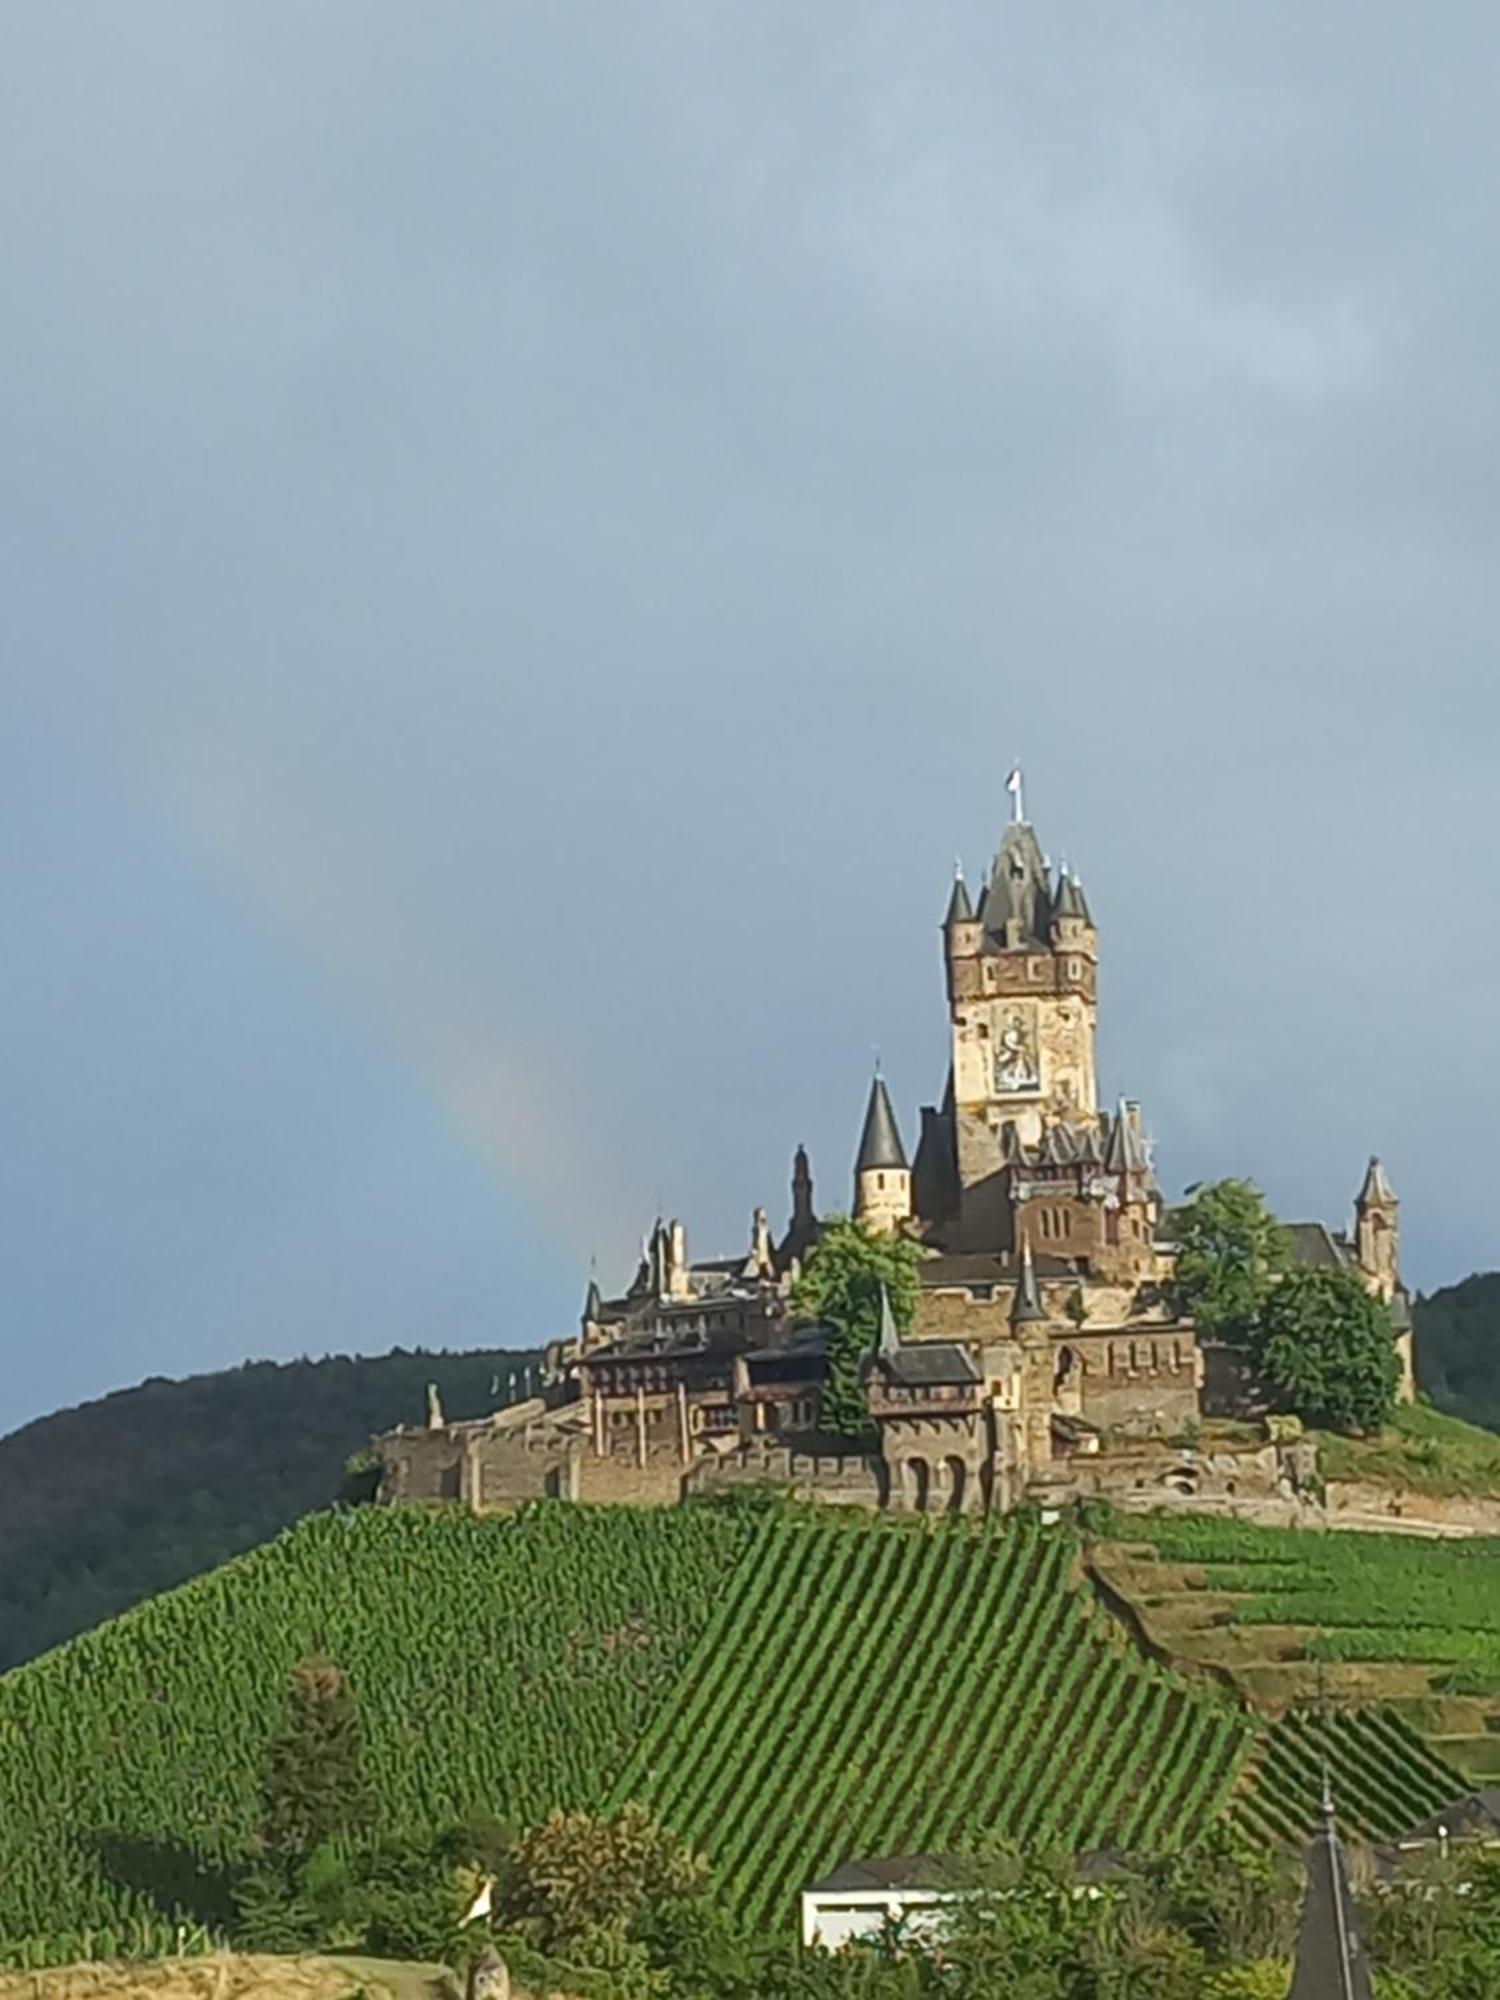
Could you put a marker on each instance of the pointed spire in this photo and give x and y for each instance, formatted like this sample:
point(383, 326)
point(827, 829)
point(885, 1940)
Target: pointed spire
point(890, 1337)
point(1126, 1151)
point(1331, 1959)
point(880, 1142)
point(1377, 1187)
point(1026, 1307)
point(960, 909)
point(592, 1302)
point(1076, 885)
point(1068, 901)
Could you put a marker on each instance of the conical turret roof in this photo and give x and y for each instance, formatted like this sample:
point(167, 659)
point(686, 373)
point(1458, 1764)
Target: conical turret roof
point(1026, 1307)
point(1377, 1187)
point(1068, 902)
point(1126, 1152)
point(890, 1338)
point(880, 1142)
point(960, 909)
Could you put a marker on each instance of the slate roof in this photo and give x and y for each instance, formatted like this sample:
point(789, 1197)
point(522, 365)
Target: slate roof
point(1126, 1152)
point(924, 1364)
point(941, 1871)
point(1026, 1307)
point(1475, 1816)
point(960, 909)
point(894, 1871)
point(985, 1267)
point(1018, 887)
point(1317, 1246)
point(880, 1142)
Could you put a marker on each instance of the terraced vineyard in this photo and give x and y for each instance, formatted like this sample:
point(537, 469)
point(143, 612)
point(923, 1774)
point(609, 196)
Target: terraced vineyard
point(1292, 1615)
point(899, 1690)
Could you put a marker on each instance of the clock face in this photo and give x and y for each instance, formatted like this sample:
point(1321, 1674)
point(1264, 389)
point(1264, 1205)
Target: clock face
point(1018, 1070)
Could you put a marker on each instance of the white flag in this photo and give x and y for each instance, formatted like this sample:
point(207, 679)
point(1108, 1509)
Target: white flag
point(1013, 782)
point(482, 1904)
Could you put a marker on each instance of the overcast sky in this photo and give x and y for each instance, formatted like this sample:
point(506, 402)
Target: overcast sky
point(531, 535)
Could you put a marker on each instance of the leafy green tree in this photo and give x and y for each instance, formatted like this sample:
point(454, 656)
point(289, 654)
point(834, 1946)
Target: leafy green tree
point(578, 1875)
point(1231, 1249)
point(1323, 1346)
point(840, 1286)
point(1235, 1898)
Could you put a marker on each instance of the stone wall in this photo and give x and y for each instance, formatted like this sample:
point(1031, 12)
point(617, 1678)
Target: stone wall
point(841, 1478)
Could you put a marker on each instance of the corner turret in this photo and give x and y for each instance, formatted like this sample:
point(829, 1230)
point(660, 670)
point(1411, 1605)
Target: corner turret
point(882, 1176)
point(963, 933)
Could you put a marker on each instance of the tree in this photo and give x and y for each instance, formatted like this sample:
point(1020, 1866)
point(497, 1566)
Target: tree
point(840, 1286)
point(1323, 1346)
point(1231, 1250)
point(295, 1889)
point(575, 1875)
point(315, 1785)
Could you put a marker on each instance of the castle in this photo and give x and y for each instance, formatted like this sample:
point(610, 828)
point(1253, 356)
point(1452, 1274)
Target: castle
point(1045, 1335)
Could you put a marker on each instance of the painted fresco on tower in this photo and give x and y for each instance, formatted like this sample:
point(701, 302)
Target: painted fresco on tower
point(1018, 1066)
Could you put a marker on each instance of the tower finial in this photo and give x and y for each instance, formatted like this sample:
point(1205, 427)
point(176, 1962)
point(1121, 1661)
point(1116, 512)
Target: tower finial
point(1014, 784)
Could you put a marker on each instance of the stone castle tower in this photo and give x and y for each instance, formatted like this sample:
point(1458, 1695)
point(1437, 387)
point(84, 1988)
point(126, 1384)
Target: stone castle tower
point(1377, 1233)
point(882, 1176)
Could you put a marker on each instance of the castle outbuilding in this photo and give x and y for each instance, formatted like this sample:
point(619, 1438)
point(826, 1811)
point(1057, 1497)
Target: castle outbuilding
point(1045, 1327)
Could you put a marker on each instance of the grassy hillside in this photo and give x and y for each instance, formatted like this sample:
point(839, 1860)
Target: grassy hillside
point(107, 1504)
point(1421, 1450)
point(786, 1689)
point(1293, 1616)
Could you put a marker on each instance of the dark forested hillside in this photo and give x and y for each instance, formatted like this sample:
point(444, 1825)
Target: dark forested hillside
point(1458, 1348)
point(111, 1502)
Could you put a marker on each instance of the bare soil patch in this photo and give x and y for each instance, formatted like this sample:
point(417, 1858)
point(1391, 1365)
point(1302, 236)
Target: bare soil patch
point(231, 1976)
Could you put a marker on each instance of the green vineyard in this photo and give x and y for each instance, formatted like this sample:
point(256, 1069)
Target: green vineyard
point(1370, 1597)
point(501, 1667)
point(787, 1689)
point(1384, 1780)
point(910, 1691)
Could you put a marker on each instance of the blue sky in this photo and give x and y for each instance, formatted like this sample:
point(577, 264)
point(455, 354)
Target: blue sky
point(529, 538)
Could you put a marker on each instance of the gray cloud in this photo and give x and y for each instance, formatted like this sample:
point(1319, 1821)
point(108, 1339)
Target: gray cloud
point(530, 536)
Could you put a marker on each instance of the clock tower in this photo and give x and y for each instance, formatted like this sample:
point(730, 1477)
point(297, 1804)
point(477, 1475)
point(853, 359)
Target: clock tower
point(1022, 974)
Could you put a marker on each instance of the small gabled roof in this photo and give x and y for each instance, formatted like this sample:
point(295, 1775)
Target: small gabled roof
point(925, 1363)
point(880, 1142)
point(1475, 1816)
point(1315, 1245)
